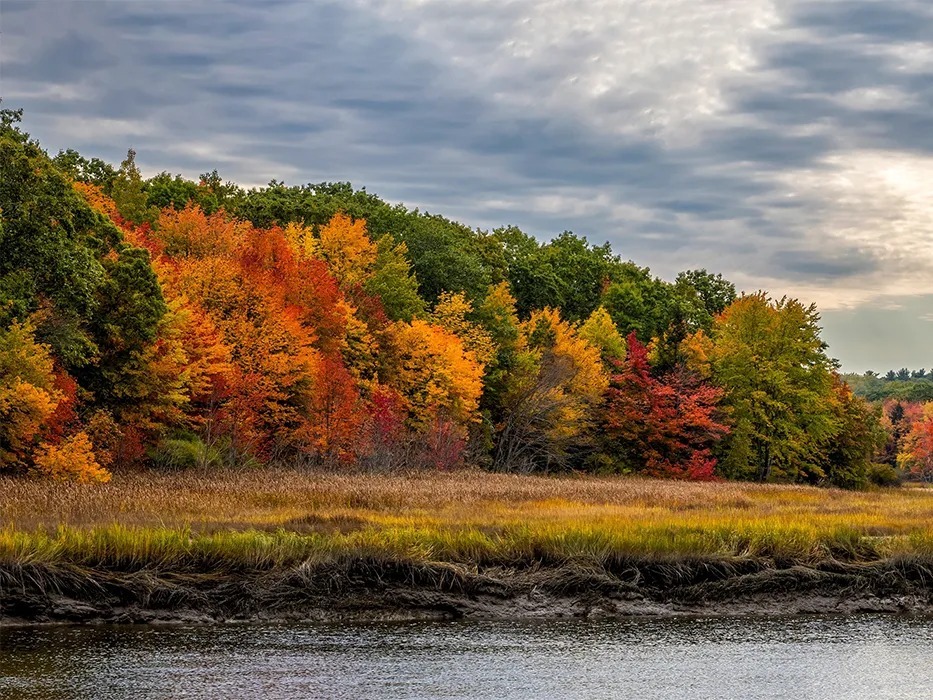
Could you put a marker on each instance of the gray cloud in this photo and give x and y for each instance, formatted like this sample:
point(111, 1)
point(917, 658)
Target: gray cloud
point(764, 141)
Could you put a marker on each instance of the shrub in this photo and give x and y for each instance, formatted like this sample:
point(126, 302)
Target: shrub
point(184, 452)
point(72, 459)
point(883, 475)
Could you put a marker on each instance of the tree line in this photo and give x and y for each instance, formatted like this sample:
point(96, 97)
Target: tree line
point(177, 323)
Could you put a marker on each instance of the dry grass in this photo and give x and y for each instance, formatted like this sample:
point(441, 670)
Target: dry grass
point(266, 519)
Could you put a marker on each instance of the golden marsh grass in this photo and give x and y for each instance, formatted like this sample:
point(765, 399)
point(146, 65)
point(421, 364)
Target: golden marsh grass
point(273, 518)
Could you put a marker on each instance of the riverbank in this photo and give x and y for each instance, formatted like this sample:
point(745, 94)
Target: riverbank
point(393, 590)
point(289, 544)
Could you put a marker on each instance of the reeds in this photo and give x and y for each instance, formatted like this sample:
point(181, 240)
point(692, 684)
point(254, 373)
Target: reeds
point(268, 520)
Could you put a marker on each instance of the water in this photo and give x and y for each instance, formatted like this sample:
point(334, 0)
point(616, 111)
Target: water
point(865, 657)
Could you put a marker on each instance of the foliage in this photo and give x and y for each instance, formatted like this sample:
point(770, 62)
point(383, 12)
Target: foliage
point(128, 193)
point(186, 322)
point(661, 427)
point(599, 331)
point(916, 452)
point(451, 313)
point(393, 281)
point(184, 452)
point(434, 373)
point(72, 459)
point(345, 246)
point(769, 358)
point(549, 397)
point(28, 396)
point(858, 439)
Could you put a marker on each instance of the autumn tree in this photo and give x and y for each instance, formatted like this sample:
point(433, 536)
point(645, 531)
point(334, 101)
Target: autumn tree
point(336, 420)
point(72, 459)
point(915, 455)
point(434, 373)
point(452, 313)
point(345, 246)
point(600, 331)
point(28, 396)
point(551, 394)
point(663, 427)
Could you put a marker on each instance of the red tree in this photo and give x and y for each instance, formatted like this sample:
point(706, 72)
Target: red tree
point(664, 426)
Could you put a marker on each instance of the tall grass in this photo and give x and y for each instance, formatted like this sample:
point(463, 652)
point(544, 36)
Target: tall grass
point(273, 519)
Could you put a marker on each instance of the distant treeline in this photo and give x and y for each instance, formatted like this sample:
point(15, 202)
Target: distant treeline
point(904, 384)
point(185, 323)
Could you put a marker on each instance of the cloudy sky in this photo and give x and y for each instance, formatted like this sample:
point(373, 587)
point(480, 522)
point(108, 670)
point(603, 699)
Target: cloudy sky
point(787, 144)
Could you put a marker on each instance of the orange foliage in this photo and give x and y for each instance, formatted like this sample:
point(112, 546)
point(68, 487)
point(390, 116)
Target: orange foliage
point(334, 429)
point(28, 396)
point(192, 233)
point(97, 200)
point(435, 374)
point(71, 460)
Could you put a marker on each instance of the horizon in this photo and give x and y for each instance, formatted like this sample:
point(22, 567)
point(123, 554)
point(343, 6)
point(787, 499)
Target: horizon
point(783, 145)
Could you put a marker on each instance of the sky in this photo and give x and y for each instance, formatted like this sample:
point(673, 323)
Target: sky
point(786, 144)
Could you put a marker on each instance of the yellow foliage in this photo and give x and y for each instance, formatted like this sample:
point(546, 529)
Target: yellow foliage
point(27, 393)
point(600, 331)
point(302, 240)
point(346, 247)
point(571, 378)
point(360, 348)
point(451, 314)
point(697, 349)
point(71, 460)
point(435, 373)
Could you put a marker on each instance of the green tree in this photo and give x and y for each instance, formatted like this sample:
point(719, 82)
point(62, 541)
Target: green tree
point(714, 293)
point(53, 244)
point(639, 303)
point(769, 358)
point(393, 281)
point(129, 193)
point(859, 437)
point(94, 171)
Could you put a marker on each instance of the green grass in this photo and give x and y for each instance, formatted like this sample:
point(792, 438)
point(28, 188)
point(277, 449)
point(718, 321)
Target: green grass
point(259, 521)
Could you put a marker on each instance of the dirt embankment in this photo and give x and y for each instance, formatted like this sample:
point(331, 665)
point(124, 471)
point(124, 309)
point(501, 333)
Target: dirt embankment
point(373, 589)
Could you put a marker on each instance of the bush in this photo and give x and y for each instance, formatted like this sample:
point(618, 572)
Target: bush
point(184, 452)
point(883, 475)
point(71, 460)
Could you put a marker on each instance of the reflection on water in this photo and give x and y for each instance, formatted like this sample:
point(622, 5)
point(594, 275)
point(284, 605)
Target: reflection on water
point(868, 657)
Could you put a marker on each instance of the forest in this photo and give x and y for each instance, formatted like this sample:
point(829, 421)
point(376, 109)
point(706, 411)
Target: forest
point(176, 324)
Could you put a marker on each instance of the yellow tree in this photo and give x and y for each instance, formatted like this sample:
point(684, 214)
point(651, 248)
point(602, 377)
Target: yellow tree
point(600, 331)
point(451, 313)
point(347, 249)
point(434, 373)
point(551, 395)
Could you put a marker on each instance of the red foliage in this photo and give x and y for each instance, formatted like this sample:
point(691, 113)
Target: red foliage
point(369, 308)
point(444, 443)
point(387, 412)
point(662, 427)
point(131, 449)
point(64, 418)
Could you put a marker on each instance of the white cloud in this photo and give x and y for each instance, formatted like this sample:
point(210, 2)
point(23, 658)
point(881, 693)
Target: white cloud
point(625, 67)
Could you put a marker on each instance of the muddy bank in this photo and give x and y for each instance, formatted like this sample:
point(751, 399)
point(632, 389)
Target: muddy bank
point(381, 590)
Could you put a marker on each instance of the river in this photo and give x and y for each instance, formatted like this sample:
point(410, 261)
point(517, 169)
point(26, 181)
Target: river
point(864, 657)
